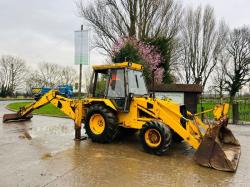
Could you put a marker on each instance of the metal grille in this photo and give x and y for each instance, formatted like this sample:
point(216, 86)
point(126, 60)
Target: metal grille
point(244, 111)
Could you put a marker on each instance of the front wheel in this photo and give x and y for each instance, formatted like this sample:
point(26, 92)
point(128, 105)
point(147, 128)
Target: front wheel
point(155, 137)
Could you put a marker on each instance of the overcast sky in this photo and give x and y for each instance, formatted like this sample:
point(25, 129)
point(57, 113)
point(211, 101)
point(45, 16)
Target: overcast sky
point(42, 30)
point(235, 12)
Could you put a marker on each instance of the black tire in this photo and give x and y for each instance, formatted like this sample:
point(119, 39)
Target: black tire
point(110, 129)
point(165, 134)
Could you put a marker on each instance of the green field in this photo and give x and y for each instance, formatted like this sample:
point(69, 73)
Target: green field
point(49, 109)
point(244, 110)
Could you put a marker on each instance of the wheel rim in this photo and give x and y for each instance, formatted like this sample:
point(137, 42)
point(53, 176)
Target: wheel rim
point(152, 138)
point(97, 124)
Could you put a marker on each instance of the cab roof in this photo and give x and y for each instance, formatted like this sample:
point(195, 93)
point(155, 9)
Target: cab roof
point(122, 65)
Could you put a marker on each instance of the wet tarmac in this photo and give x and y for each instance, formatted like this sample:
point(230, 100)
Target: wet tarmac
point(42, 152)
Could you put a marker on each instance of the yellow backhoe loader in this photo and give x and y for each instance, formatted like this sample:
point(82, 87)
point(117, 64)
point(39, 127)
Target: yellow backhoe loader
point(119, 101)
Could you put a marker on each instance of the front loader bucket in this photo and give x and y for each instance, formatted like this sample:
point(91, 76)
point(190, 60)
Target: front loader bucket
point(16, 117)
point(219, 148)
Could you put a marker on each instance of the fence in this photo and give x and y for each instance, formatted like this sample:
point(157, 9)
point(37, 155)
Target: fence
point(243, 111)
point(239, 112)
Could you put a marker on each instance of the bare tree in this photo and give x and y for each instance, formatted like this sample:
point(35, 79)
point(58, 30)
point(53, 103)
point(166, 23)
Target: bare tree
point(238, 68)
point(219, 76)
point(87, 74)
point(12, 74)
point(68, 75)
point(33, 81)
point(141, 19)
point(51, 75)
point(201, 43)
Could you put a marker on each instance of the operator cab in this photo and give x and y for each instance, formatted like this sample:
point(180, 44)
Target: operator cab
point(119, 83)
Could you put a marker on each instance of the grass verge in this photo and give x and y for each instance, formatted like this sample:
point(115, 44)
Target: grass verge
point(48, 110)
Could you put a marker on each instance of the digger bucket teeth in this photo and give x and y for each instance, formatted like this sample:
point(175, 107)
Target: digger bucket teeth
point(219, 149)
point(16, 117)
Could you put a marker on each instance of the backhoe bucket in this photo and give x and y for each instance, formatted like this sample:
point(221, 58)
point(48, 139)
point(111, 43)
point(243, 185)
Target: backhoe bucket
point(16, 117)
point(219, 148)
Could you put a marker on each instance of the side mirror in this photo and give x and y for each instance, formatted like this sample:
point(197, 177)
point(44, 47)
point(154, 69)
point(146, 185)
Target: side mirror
point(151, 94)
point(130, 96)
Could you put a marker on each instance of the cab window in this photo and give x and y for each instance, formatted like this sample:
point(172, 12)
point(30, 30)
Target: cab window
point(136, 83)
point(116, 86)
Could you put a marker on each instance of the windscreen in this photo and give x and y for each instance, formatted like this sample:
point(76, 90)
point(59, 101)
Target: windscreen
point(136, 83)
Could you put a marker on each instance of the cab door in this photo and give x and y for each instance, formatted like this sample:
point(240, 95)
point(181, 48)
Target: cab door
point(117, 88)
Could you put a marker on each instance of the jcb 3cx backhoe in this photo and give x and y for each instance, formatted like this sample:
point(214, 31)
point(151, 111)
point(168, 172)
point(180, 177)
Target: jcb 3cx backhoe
point(119, 101)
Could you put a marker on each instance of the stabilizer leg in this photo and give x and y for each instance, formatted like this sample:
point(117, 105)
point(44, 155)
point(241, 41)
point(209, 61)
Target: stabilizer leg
point(78, 135)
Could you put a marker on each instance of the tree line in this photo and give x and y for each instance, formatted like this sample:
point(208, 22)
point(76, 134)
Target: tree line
point(16, 76)
point(195, 47)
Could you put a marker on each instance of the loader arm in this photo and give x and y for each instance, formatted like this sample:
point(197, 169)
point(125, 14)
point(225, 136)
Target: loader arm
point(191, 133)
point(72, 108)
point(216, 148)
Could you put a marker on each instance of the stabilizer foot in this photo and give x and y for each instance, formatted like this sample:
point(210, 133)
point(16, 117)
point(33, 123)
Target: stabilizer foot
point(78, 136)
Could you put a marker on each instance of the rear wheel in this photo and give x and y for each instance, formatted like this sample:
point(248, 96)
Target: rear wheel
point(101, 124)
point(156, 137)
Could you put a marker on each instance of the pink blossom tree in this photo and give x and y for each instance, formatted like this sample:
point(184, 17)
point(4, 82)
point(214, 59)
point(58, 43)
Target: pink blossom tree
point(130, 49)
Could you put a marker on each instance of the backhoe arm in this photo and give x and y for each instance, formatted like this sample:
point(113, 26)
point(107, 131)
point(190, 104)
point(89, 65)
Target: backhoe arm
point(44, 100)
point(72, 108)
